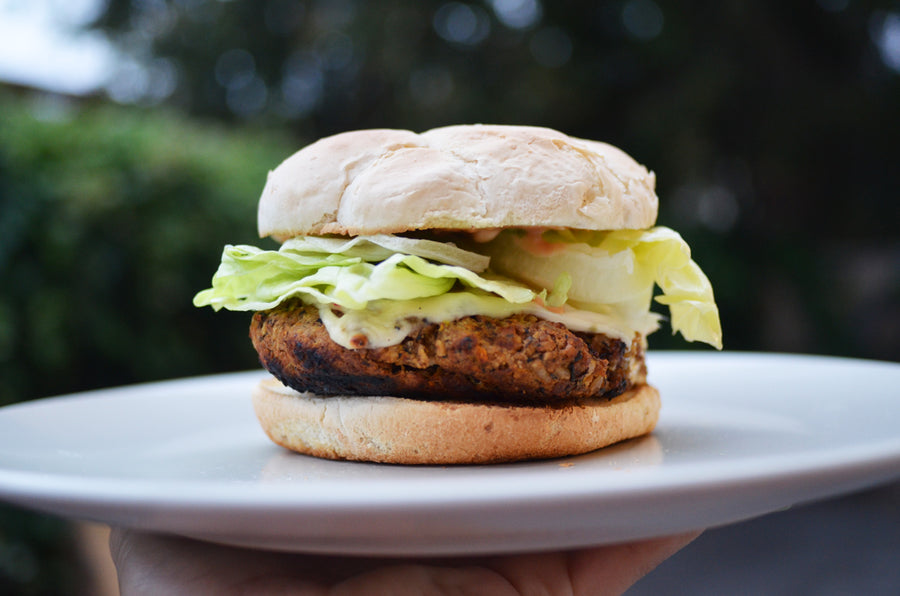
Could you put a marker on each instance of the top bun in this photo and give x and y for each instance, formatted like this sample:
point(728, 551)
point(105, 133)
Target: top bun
point(456, 177)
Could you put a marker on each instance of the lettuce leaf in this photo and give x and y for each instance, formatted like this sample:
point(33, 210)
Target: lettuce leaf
point(375, 285)
point(378, 247)
point(348, 273)
point(616, 271)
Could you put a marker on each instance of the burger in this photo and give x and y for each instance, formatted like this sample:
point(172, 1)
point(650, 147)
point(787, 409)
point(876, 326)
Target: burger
point(470, 294)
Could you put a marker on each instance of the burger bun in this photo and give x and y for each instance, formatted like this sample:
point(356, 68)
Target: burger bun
point(456, 177)
point(407, 431)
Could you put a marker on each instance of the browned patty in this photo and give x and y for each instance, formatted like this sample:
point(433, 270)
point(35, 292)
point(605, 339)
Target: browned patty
point(518, 359)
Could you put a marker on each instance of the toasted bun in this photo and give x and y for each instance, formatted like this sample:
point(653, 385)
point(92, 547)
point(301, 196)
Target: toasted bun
point(457, 177)
point(406, 431)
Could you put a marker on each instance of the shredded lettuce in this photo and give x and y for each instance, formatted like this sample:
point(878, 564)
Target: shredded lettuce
point(617, 271)
point(378, 285)
point(349, 274)
point(378, 247)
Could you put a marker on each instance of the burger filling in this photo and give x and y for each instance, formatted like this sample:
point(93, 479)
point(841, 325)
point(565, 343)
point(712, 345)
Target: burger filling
point(516, 359)
point(514, 315)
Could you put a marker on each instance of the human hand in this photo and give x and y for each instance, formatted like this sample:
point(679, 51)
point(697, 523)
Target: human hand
point(157, 564)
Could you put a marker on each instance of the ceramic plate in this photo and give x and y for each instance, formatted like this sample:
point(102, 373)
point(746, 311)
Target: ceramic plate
point(740, 435)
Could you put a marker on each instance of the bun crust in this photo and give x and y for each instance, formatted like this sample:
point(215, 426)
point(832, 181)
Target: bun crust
point(456, 177)
point(404, 431)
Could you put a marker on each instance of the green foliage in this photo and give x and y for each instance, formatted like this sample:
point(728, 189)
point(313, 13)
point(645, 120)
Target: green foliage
point(37, 556)
point(110, 220)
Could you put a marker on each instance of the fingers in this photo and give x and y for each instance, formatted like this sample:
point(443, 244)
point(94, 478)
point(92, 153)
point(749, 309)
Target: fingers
point(154, 564)
point(599, 571)
point(613, 569)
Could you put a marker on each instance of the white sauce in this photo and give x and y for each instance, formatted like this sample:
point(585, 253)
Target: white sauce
point(387, 323)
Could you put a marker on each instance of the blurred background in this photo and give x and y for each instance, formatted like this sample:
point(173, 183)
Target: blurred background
point(135, 137)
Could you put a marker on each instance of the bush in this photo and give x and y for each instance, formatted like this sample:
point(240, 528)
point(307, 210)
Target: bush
point(110, 220)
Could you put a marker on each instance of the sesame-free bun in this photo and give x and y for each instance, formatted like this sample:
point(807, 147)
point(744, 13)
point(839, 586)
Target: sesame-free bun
point(407, 431)
point(456, 177)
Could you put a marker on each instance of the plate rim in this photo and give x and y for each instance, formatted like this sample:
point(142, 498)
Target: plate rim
point(843, 468)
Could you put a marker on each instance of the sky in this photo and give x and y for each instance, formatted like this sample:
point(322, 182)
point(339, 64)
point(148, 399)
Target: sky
point(40, 46)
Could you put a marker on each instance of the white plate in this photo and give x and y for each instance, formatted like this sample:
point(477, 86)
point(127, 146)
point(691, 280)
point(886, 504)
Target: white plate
point(740, 435)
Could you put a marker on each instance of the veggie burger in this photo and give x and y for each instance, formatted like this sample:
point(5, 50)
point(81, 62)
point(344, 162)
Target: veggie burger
point(469, 294)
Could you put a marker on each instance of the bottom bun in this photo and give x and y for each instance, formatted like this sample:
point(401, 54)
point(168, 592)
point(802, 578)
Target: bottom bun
point(407, 431)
